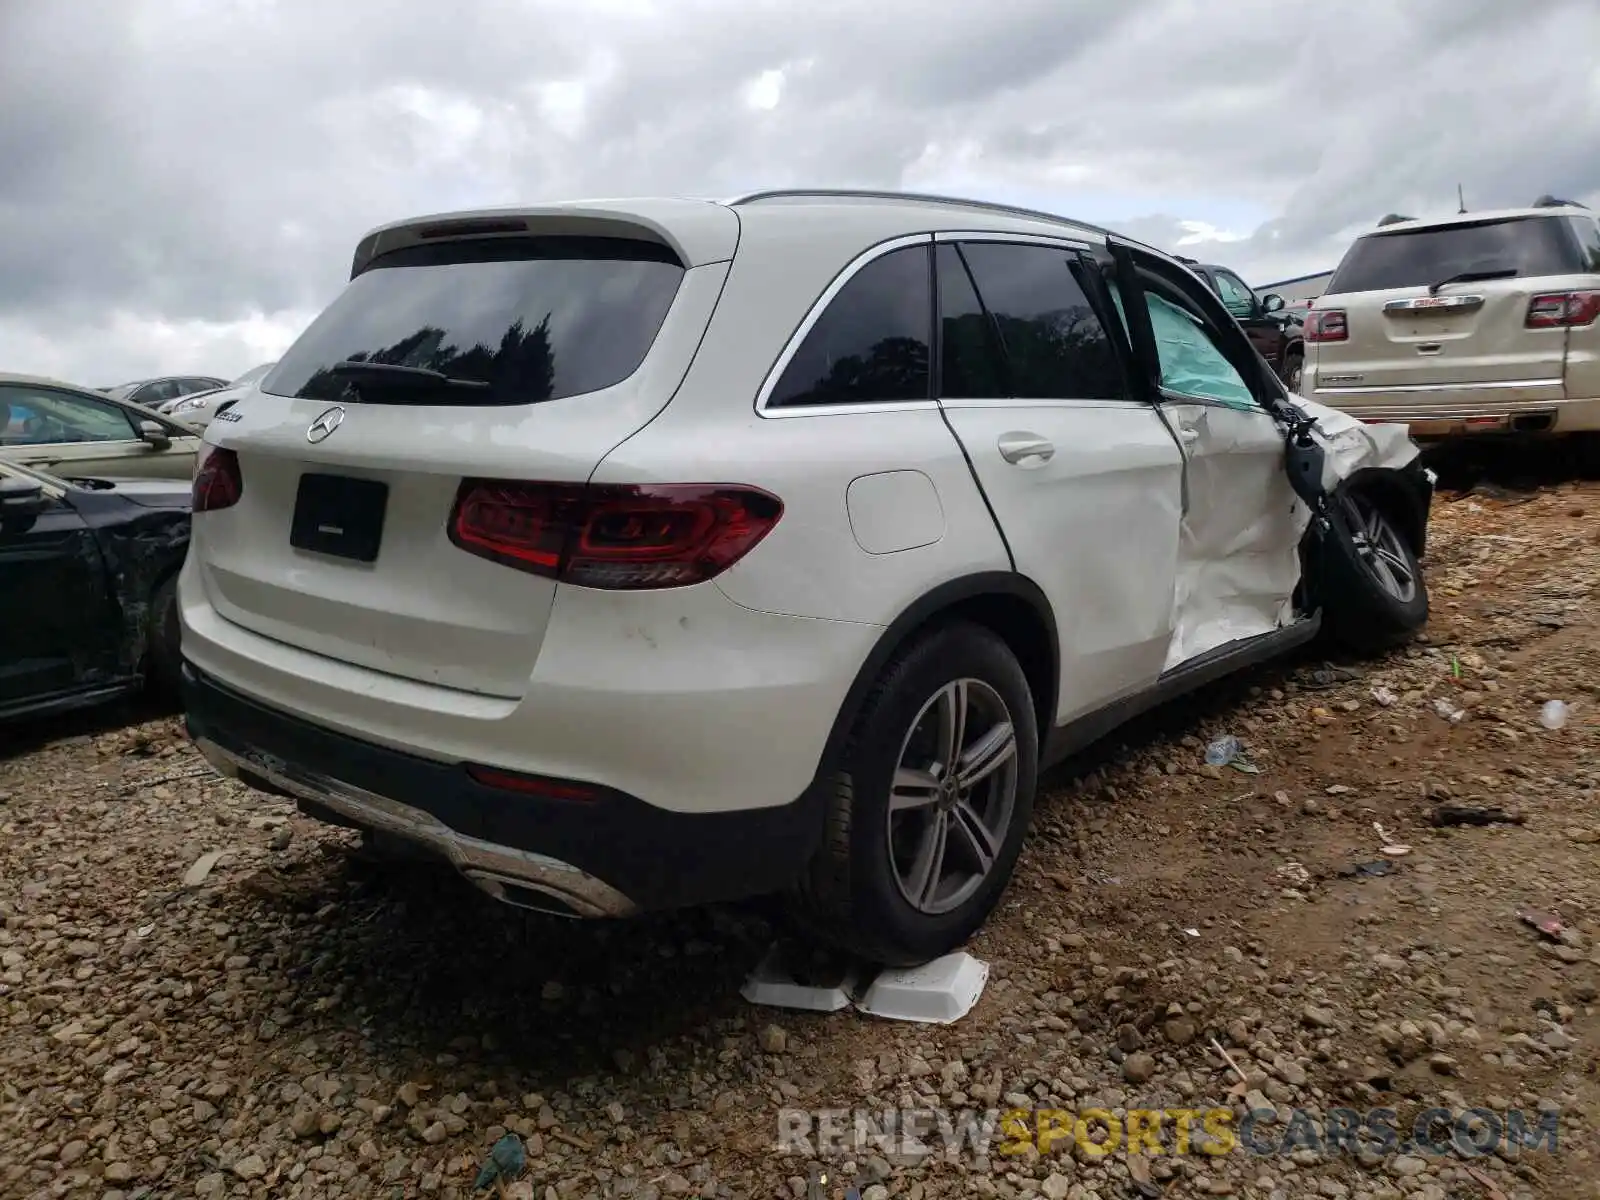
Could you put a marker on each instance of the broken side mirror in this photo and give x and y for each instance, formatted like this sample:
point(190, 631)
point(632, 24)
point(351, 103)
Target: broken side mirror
point(152, 434)
point(1272, 302)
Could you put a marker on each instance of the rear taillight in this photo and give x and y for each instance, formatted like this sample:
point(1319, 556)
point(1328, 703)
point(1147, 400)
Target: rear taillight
point(218, 482)
point(1563, 310)
point(1327, 325)
point(613, 535)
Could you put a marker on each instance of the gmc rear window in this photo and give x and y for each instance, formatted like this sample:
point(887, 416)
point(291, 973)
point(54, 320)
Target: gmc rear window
point(503, 321)
point(1531, 246)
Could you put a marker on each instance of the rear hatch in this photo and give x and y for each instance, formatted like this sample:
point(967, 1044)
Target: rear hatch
point(525, 355)
point(1447, 305)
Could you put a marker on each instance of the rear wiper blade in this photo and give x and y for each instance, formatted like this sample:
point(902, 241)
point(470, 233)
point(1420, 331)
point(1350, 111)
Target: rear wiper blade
point(392, 375)
point(1471, 277)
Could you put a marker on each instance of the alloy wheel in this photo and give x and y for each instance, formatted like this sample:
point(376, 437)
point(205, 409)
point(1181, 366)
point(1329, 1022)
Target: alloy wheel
point(1382, 549)
point(953, 797)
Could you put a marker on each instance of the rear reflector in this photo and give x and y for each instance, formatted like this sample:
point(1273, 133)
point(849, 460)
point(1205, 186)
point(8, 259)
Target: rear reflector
point(218, 482)
point(528, 785)
point(614, 536)
point(1563, 310)
point(1327, 325)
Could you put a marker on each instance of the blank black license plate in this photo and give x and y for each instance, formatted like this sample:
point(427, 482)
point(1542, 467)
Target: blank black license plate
point(337, 515)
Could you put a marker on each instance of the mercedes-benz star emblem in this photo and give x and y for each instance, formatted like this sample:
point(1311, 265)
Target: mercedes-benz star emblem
point(325, 424)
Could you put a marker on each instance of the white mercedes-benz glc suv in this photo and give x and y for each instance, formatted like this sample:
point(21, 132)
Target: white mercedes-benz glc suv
point(641, 554)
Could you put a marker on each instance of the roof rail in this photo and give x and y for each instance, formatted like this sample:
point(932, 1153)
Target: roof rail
point(1549, 201)
point(915, 198)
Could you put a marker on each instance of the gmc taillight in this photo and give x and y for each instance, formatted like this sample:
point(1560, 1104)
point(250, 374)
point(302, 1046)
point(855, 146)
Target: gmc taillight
point(1563, 310)
point(218, 482)
point(613, 535)
point(1327, 325)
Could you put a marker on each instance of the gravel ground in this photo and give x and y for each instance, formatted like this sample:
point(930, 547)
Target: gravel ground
point(305, 1023)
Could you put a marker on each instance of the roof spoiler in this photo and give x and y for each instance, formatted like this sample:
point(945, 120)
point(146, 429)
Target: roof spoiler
point(1549, 201)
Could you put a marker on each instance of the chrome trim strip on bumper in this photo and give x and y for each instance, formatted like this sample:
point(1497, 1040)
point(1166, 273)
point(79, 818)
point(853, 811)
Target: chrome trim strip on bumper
point(1442, 388)
point(490, 867)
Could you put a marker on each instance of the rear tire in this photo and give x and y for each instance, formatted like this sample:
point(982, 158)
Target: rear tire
point(163, 656)
point(1373, 593)
point(915, 856)
point(1294, 367)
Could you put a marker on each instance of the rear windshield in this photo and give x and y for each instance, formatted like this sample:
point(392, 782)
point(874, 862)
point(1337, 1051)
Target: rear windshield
point(1531, 246)
point(533, 318)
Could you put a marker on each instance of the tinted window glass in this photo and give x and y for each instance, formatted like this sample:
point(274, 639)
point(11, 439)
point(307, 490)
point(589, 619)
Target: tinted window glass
point(158, 392)
point(534, 319)
point(1588, 231)
point(40, 417)
point(972, 363)
point(1239, 300)
point(1055, 346)
point(1530, 246)
point(871, 344)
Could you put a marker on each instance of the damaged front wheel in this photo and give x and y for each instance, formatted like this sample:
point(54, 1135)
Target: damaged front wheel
point(1371, 584)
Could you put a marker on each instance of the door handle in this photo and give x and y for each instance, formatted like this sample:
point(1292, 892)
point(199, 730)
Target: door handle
point(1188, 434)
point(1016, 448)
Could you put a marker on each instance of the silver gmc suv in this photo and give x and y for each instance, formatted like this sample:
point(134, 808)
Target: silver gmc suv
point(1471, 323)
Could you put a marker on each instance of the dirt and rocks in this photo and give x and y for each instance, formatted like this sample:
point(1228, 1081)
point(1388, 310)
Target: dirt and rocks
point(300, 1022)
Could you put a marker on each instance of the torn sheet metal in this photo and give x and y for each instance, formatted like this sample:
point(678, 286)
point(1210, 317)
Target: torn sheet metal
point(1235, 579)
point(1351, 445)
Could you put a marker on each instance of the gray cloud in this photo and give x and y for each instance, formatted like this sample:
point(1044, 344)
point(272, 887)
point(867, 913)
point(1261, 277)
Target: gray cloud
point(184, 166)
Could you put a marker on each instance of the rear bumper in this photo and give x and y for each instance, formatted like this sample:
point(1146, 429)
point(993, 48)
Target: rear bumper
point(1528, 406)
point(610, 855)
point(682, 698)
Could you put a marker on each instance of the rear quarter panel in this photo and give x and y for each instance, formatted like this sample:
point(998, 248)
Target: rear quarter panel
point(811, 564)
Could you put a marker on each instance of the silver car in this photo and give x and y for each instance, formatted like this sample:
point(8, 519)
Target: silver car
point(1483, 322)
point(198, 408)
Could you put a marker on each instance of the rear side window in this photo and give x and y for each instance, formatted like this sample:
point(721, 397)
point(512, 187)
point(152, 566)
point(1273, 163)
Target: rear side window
point(1055, 345)
point(972, 364)
point(1530, 246)
point(871, 344)
point(503, 321)
point(1588, 231)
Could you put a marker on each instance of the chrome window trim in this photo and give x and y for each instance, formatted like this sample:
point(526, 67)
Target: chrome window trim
point(842, 280)
point(1023, 239)
point(813, 315)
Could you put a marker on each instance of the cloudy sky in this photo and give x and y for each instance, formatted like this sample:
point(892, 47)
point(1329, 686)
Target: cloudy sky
point(184, 180)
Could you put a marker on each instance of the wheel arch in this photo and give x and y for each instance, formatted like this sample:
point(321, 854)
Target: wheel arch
point(1404, 495)
point(1011, 605)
